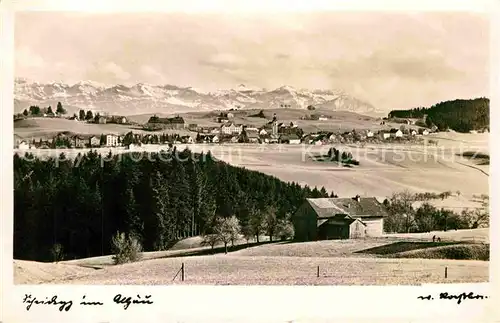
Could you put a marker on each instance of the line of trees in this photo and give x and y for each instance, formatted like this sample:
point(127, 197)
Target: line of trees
point(341, 157)
point(157, 198)
point(459, 115)
point(35, 110)
point(404, 217)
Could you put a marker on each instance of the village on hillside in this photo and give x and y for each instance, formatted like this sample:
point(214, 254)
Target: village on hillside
point(228, 132)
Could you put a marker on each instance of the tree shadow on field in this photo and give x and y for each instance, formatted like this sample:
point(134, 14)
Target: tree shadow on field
point(221, 249)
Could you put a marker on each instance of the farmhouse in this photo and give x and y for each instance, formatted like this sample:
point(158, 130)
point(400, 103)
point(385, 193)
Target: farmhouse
point(171, 123)
point(94, 141)
point(252, 135)
point(339, 218)
point(187, 140)
point(79, 142)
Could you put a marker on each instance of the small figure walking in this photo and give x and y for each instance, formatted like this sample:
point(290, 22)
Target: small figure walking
point(434, 238)
point(439, 239)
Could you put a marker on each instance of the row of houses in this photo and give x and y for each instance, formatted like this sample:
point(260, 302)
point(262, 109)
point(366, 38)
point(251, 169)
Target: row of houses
point(129, 140)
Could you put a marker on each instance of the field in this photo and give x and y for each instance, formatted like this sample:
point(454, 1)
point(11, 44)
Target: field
point(340, 262)
point(48, 127)
point(383, 169)
point(338, 120)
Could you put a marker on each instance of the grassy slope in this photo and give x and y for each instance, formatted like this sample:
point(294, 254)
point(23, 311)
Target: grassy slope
point(270, 263)
point(262, 270)
point(455, 251)
point(49, 127)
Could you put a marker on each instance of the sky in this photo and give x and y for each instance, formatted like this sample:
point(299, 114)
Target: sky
point(392, 60)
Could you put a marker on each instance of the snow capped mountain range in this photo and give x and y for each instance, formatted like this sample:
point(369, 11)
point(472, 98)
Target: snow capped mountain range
point(147, 98)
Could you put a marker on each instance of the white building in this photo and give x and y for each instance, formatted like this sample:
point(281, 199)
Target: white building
point(322, 118)
point(413, 133)
point(425, 132)
point(215, 139)
point(111, 140)
point(229, 129)
point(369, 134)
point(263, 132)
point(294, 141)
point(387, 135)
point(399, 134)
point(23, 145)
point(275, 128)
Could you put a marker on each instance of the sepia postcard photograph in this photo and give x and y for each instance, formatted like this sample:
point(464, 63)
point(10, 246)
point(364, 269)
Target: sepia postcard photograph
point(280, 148)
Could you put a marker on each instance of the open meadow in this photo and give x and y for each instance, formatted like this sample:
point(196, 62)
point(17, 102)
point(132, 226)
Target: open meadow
point(45, 128)
point(340, 262)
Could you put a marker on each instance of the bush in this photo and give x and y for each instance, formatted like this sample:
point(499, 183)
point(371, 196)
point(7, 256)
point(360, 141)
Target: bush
point(210, 239)
point(126, 248)
point(284, 230)
point(57, 252)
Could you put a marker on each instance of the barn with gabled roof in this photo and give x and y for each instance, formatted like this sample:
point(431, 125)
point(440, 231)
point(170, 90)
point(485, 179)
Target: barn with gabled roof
point(339, 218)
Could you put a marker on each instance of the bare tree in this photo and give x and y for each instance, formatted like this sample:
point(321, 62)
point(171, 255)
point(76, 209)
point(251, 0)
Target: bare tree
point(270, 221)
point(210, 239)
point(482, 214)
point(401, 212)
point(284, 230)
point(256, 223)
point(227, 230)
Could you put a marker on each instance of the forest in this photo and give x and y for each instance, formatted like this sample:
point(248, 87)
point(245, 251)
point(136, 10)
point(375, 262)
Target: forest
point(80, 204)
point(459, 115)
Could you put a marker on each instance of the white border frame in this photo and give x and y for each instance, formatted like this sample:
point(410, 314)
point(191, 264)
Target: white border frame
point(242, 303)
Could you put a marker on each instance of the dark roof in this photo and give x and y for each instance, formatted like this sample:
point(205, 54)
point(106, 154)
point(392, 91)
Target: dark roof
point(252, 133)
point(329, 207)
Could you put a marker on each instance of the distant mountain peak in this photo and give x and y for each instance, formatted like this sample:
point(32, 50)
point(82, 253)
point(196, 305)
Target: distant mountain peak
point(150, 98)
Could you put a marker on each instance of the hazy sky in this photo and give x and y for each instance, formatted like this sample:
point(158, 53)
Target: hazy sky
point(392, 60)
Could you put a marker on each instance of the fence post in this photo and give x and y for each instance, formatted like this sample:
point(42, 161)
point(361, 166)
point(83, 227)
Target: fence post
point(445, 272)
point(318, 272)
point(182, 272)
